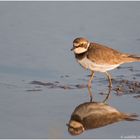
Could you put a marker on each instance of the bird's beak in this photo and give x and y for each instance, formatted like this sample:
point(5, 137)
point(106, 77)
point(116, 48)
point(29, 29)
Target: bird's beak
point(67, 125)
point(72, 49)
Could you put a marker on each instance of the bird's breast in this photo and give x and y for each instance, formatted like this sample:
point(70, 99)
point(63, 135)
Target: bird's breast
point(88, 64)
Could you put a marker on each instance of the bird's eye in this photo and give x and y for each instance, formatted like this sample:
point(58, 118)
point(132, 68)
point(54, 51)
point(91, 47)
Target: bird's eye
point(83, 44)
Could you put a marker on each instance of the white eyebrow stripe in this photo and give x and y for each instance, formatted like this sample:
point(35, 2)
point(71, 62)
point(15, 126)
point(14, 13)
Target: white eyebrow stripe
point(76, 44)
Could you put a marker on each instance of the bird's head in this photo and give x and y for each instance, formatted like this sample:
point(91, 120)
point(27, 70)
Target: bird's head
point(80, 45)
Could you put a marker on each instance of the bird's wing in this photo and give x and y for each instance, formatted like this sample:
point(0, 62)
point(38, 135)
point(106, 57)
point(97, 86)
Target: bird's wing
point(102, 54)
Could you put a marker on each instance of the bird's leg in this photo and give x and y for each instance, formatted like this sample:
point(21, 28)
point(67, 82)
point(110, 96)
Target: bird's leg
point(89, 85)
point(90, 94)
point(109, 79)
point(90, 80)
point(108, 95)
point(110, 86)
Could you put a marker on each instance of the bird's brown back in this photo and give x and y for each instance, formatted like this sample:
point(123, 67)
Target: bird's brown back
point(102, 54)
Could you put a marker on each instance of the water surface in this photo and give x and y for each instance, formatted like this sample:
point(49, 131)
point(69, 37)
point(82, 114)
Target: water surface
point(35, 43)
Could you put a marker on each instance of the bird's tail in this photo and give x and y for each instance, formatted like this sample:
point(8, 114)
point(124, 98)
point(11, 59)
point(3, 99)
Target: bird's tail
point(131, 58)
point(131, 117)
point(134, 57)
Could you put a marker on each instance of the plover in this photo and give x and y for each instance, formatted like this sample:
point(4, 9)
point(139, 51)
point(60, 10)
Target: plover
point(100, 58)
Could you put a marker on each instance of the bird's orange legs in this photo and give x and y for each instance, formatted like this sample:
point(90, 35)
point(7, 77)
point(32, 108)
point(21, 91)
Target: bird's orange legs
point(90, 83)
point(90, 80)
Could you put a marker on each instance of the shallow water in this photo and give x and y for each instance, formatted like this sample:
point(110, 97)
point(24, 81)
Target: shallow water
point(35, 43)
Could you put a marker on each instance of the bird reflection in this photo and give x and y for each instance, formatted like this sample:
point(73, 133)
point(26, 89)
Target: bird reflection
point(91, 115)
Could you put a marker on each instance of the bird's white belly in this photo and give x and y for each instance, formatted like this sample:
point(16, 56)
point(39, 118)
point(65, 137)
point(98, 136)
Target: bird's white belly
point(86, 63)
